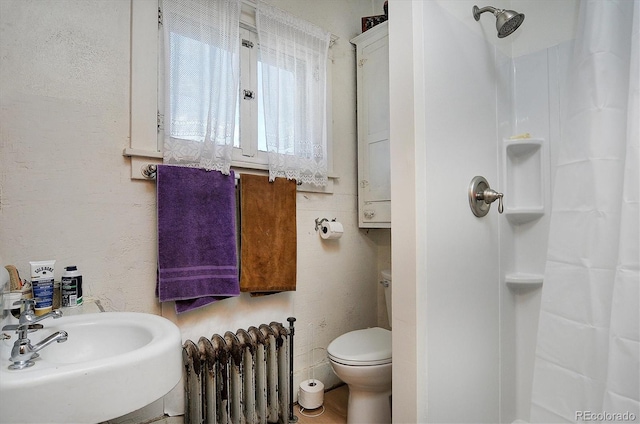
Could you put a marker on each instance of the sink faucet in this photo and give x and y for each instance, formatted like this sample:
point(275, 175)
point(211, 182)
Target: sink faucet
point(23, 352)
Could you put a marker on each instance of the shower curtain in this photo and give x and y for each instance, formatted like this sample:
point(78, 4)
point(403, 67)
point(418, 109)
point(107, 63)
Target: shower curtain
point(587, 365)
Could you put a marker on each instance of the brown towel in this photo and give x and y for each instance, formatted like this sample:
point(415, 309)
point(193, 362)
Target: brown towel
point(268, 234)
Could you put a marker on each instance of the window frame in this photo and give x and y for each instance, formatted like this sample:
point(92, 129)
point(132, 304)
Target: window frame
point(146, 118)
point(248, 154)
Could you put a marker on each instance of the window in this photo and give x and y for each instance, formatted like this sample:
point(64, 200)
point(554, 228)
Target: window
point(208, 58)
point(249, 141)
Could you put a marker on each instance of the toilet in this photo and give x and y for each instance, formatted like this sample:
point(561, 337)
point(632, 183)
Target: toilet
point(362, 359)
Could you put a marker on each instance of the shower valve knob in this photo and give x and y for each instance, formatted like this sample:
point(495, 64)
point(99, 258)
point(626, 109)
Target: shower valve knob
point(489, 196)
point(481, 196)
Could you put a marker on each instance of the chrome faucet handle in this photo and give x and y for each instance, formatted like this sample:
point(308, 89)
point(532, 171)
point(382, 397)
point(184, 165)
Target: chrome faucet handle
point(23, 352)
point(28, 307)
point(28, 303)
point(30, 327)
point(32, 318)
point(28, 316)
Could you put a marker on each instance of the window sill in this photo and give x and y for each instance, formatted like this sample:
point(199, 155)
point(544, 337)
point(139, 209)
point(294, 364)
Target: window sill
point(142, 153)
point(140, 159)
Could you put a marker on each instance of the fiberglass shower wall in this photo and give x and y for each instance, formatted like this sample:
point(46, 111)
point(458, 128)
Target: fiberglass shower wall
point(474, 337)
point(445, 259)
point(539, 83)
point(538, 74)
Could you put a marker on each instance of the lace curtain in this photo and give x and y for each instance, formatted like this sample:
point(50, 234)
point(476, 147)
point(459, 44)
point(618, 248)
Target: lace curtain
point(294, 53)
point(201, 42)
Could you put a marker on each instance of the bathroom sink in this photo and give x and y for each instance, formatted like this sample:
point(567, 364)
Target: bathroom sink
point(112, 363)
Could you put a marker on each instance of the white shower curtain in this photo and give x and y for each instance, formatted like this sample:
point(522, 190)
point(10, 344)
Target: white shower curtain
point(587, 365)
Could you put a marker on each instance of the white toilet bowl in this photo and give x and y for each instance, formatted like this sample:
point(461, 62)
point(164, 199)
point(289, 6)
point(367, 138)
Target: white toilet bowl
point(362, 359)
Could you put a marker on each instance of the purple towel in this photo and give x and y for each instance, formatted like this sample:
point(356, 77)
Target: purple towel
point(197, 259)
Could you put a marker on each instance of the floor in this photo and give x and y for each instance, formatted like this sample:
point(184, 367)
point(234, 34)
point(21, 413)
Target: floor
point(335, 410)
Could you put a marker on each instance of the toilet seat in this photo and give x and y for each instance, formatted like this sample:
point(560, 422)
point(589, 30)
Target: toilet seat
point(371, 346)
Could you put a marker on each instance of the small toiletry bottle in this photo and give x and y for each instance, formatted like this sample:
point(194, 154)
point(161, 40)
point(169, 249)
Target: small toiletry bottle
point(71, 287)
point(42, 275)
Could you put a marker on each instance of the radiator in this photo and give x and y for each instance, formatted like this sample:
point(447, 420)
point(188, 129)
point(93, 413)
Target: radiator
point(238, 378)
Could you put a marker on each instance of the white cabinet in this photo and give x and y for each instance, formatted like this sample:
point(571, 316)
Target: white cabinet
point(374, 177)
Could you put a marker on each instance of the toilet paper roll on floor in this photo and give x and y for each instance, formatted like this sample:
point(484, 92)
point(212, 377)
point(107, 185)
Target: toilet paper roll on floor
point(331, 230)
point(311, 394)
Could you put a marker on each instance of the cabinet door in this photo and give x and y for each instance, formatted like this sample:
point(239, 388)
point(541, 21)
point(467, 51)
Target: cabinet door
point(373, 134)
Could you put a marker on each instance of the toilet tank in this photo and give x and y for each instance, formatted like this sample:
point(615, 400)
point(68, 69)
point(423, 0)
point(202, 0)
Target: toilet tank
point(385, 280)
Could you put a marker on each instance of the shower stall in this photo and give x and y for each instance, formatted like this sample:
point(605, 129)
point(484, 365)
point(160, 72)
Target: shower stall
point(531, 314)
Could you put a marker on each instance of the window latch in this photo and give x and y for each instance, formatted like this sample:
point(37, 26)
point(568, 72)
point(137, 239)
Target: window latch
point(248, 94)
point(160, 121)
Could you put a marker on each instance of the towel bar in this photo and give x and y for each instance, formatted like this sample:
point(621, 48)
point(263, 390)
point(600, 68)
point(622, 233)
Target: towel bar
point(149, 172)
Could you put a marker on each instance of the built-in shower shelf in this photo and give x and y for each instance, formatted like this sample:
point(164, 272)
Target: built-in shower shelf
point(523, 215)
point(521, 280)
point(524, 179)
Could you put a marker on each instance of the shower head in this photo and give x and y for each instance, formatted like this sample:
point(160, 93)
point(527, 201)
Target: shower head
point(507, 21)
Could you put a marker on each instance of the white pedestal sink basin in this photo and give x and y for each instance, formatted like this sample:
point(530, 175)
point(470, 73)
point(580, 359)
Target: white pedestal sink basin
point(113, 363)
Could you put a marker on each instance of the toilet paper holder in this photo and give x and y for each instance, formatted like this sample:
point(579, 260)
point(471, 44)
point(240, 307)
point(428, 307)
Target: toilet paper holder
point(320, 221)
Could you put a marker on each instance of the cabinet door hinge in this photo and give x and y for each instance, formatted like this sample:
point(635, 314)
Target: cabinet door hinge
point(159, 16)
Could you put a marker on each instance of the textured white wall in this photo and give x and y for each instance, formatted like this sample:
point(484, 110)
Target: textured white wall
point(66, 192)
